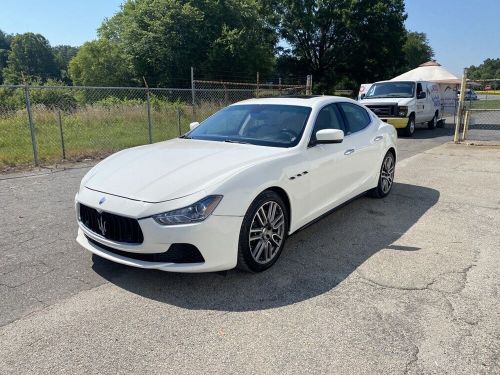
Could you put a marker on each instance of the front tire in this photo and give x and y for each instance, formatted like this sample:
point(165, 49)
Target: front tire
point(410, 127)
point(386, 177)
point(263, 232)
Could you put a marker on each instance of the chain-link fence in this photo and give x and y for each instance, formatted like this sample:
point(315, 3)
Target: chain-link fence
point(46, 124)
point(478, 112)
point(481, 125)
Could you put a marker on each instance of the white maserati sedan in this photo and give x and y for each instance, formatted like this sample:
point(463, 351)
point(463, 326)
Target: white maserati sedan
point(230, 191)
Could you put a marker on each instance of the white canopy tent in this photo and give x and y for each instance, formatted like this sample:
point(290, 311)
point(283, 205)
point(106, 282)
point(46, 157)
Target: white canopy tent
point(433, 71)
point(430, 71)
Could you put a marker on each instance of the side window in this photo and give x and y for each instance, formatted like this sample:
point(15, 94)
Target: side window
point(328, 118)
point(419, 88)
point(357, 118)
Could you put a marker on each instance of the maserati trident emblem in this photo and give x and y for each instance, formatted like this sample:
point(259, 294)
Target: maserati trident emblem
point(102, 200)
point(102, 225)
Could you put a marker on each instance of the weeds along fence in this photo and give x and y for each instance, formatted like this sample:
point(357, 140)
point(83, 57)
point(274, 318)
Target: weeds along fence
point(42, 125)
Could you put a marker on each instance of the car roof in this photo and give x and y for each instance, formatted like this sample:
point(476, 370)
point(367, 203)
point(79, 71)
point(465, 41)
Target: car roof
point(303, 101)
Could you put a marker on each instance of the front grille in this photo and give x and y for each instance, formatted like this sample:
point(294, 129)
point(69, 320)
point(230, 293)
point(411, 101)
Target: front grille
point(177, 253)
point(112, 227)
point(384, 110)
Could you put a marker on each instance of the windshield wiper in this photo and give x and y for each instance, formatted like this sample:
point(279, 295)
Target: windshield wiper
point(235, 141)
point(184, 136)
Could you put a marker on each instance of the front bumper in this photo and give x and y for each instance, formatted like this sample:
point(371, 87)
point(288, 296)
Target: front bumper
point(216, 238)
point(397, 122)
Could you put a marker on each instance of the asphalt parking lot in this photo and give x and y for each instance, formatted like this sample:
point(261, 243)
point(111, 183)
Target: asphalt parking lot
point(408, 284)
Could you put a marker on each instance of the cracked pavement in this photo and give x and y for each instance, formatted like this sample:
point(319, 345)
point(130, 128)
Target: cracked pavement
point(404, 285)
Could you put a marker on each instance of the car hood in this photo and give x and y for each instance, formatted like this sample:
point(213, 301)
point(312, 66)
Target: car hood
point(398, 101)
point(173, 169)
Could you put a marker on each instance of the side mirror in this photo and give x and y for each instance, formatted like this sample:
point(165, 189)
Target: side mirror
point(422, 95)
point(193, 125)
point(362, 96)
point(326, 136)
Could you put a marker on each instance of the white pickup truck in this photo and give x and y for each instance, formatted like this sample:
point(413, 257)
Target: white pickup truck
point(404, 104)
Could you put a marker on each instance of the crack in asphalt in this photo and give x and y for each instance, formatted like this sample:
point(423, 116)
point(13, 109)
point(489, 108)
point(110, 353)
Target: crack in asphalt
point(466, 327)
point(413, 361)
point(427, 286)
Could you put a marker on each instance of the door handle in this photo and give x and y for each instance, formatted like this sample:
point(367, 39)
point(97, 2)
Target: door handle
point(378, 138)
point(349, 152)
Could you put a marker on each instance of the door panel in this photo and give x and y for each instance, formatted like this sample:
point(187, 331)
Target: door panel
point(339, 172)
point(329, 170)
point(330, 174)
point(364, 138)
point(365, 159)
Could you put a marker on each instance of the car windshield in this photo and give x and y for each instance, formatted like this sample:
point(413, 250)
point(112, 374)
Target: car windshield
point(391, 90)
point(259, 124)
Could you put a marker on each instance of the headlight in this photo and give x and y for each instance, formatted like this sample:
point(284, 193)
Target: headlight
point(402, 111)
point(195, 213)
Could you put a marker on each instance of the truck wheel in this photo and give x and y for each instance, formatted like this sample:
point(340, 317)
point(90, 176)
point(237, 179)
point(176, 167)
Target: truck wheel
point(410, 127)
point(433, 123)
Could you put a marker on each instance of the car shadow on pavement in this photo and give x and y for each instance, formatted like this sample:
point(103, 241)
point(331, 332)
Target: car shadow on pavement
point(314, 261)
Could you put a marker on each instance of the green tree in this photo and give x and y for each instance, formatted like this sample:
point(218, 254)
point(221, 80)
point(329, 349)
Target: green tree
point(101, 63)
point(317, 35)
point(63, 55)
point(349, 41)
point(489, 69)
point(416, 50)
point(31, 55)
point(165, 37)
point(245, 42)
point(5, 41)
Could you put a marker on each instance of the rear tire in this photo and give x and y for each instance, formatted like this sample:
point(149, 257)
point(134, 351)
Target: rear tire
point(386, 177)
point(410, 127)
point(433, 123)
point(263, 233)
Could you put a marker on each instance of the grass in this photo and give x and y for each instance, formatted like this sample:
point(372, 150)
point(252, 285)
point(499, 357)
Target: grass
point(483, 104)
point(91, 131)
point(491, 92)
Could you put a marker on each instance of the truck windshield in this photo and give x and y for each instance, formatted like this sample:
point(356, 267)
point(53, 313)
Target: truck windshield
point(391, 90)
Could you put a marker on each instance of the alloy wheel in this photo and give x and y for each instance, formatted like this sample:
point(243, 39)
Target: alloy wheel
point(387, 173)
point(266, 232)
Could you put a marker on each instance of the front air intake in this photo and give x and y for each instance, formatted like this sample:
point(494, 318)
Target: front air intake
point(110, 226)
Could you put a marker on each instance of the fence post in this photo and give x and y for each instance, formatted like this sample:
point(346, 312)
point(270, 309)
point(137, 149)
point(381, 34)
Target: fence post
point(466, 125)
point(31, 125)
point(461, 101)
point(193, 95)
point(150, 125)
point(257, 93)
point(279, 85)
point(179, 121)
point(148, 107)
point(63, 148)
